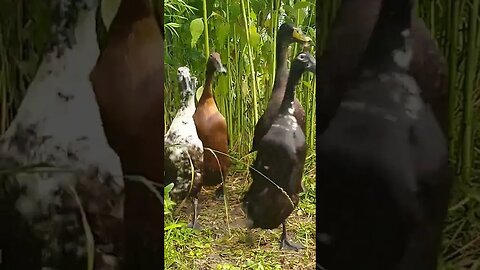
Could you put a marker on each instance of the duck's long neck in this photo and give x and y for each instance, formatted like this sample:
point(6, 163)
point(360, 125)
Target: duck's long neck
point(287, 103)
point(388, 46)
point(60, 67)
point(84, 51)
point(86, 37)
point(135, 9)
point(188, 103)
point(207, 86)
point(281, 65)
point(354, 22)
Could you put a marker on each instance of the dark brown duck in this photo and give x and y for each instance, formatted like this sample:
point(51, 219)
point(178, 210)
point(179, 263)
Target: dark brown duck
point(287, 34)
point(384, 179)
point(347, 41)
point(212, 129)
point(281, 158)
point(128, 84)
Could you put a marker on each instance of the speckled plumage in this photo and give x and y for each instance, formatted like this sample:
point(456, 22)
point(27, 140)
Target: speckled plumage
point(58, 124)
point(182, 144)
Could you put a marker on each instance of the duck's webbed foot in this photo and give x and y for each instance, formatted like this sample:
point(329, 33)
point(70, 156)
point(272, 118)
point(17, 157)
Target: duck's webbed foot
point(195, 224)
point(219, 193)
point(285, 243)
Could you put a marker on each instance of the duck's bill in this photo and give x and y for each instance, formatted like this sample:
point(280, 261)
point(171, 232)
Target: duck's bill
point(299, 36)
point(312, 67)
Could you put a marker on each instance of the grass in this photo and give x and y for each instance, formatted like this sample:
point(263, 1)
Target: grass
point(217, 247)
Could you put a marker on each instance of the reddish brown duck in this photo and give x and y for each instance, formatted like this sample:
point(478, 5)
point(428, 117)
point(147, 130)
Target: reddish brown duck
point(212, 129)
point(287, 34)
point(348, 40)
point(128, 83)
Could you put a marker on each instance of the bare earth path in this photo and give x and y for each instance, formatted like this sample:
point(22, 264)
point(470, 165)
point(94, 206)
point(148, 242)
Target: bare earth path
point(215, 248)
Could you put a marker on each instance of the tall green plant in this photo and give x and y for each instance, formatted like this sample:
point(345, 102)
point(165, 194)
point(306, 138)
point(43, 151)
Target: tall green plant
point(244, 33)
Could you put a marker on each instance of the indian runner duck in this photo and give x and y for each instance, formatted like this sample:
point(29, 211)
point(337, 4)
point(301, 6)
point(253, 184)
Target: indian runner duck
point(58, 125)
point(278, 167)
point(212, 130)
point(384, 177)
point(184, 149)
point(128, 84)
point(286, 35)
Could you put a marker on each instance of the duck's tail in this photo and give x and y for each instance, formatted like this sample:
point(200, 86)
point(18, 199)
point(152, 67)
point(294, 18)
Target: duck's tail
point(388, 46)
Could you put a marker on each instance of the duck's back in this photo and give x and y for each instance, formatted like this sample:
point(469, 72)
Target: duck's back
point(281, 157)
point(182, 131)
point(382, 158)
point(384, 161)
point(265, 121)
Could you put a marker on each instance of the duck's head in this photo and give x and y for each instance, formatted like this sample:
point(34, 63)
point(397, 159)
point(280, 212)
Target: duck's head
point(304, 62)
point(293, 34)
point(215, 64)
point(187, 82)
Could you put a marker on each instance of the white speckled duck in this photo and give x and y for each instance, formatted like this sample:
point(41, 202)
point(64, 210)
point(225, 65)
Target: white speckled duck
point(182, 145)
point(58, 124)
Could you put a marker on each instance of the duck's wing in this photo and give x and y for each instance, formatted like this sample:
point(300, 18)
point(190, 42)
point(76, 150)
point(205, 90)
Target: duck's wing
point(430, 69)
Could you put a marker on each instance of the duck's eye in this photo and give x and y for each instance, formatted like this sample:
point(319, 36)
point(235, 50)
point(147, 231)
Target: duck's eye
point(301, 57)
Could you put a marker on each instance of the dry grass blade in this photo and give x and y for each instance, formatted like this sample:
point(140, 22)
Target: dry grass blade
point(90, 242)
point(225, 202)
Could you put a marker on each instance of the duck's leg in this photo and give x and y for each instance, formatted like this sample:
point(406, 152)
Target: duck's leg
point(195, 224)
point(285, 243)
point(219, 193)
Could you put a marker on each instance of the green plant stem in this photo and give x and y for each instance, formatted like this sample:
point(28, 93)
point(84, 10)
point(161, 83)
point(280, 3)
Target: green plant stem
point(250, 58)
point(205, 22)
point(472, 57)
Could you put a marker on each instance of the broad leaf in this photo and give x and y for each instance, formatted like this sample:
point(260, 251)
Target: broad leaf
point(196, 30)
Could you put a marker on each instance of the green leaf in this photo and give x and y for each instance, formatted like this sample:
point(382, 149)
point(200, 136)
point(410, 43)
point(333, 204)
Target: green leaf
point(307, 84)
point(254, 37)
point(173, 226)
point(199, 93)
point(196, 30)
point(253, 16)
point(168, 188)
point(108, 11)
point(300, 5)
point(289, 10)
point(222, 34)
point(234, 11)
point(302, 14)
